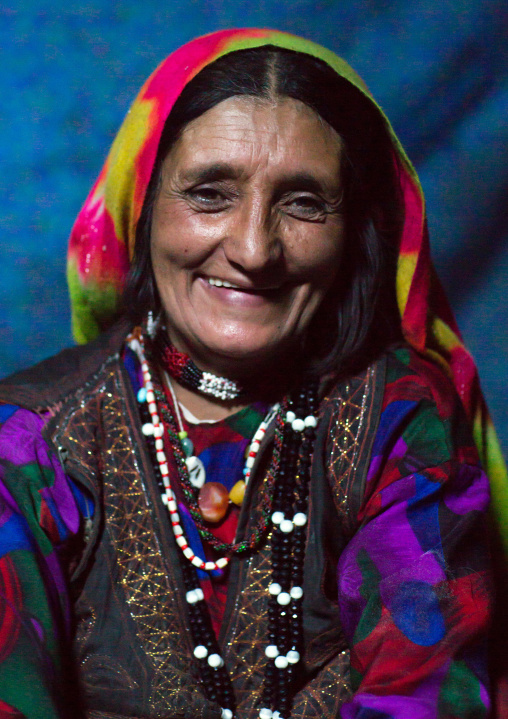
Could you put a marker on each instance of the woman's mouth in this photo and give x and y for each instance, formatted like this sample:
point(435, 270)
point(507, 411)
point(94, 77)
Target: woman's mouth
point(240, 295)
point(215, 282)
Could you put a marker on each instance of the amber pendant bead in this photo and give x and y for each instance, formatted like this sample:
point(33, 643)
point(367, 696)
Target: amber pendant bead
point(237, 492)
point(213, 501)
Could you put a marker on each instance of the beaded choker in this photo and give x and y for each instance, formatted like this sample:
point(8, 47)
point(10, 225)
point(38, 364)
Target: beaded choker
point(284, 507)
point(183, 370)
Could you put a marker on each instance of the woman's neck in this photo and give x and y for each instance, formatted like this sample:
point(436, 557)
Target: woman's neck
point(205, 407)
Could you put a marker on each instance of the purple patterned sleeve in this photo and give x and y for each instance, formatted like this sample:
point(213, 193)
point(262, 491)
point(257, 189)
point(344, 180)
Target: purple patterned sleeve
point(413, 581)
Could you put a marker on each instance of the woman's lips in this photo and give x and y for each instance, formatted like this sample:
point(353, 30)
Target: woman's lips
point(230, 293)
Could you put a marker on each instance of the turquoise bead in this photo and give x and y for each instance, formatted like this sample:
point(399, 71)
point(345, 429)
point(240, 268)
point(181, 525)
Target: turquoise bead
point(187, 447)
point(141, 394)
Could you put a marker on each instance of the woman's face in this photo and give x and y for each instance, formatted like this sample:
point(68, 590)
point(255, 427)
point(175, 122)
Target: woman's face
point(247, 232)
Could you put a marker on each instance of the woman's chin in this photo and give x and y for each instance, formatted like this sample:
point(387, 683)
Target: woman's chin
point(239, 360)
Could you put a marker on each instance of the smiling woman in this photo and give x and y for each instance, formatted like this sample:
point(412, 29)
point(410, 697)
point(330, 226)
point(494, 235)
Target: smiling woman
point(232, 207)
point(256, 492)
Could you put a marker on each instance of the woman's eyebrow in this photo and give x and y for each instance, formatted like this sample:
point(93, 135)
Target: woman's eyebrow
point(211, 173)
point(308, 183)
point(286, 182)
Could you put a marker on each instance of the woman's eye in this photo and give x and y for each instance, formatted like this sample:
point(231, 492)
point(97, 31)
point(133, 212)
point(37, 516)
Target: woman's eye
point(305, 207)
point(209, 198)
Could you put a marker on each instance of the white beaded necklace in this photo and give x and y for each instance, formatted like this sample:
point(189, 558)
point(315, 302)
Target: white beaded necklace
point(156, 428)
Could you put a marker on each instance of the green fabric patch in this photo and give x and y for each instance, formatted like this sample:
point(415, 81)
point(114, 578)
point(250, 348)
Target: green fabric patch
point(93, 308)
point(35, 597)
point(25, 482)
point(356, 678)
point(22, 682)
point(428, 436)
point(369, 590)
point(460, 693)
point(245, 422)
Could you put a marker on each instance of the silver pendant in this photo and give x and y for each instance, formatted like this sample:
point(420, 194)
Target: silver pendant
point(197, 472)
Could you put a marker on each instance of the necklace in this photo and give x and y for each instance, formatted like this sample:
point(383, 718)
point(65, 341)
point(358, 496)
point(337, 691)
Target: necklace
point(182, 368)
point(293, 447)
point(213, 498)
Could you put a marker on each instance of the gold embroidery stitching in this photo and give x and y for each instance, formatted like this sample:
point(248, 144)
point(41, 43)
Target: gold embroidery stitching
point(149, 591)
point(345, 436)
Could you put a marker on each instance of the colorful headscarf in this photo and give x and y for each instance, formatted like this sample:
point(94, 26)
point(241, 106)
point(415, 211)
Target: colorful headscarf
point(102, 240)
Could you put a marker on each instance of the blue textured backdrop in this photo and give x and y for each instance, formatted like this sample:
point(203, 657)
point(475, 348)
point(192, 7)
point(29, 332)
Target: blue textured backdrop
point(438, 67)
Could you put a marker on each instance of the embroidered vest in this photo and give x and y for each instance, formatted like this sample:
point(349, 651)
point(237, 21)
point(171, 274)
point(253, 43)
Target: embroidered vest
point(132, 643)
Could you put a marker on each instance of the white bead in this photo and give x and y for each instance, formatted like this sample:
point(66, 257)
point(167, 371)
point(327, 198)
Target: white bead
point(152, 407)
point(274, 589)
point(300, 519)
point(281, 662)
point(147, 429)
point(199, 594)
point(249, 463)
point(209, 566)
point(161, 457)
point(296, 592)
point(172, 505)
point(293, 656)
point(286, 526)
point(271, 651)
point(191, 596)
point(159, 444)
point(177, 530)
point(158, 431)
point(276, 715)
point(155, 420)
point(290, 417)
point(227, 714)
point(222, 562)
point(188, 553)
point(283, 598)
point(197, 562)
point(277, 517)
point(181, 540)
point(200, 652)
point(197, 472)
point(150, 396)
point(215, 661)
point(265, 713)
point(298, 425)
point(310, 421)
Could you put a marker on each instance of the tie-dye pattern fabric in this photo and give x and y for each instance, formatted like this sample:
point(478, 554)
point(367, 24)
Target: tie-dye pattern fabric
point(41, 510)
point(412, 588)
point(102, 240)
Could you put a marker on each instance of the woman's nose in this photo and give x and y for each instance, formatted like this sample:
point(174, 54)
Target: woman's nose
point(253, 243)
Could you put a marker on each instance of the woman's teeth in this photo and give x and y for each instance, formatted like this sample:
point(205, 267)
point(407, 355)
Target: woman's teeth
point(222, 283)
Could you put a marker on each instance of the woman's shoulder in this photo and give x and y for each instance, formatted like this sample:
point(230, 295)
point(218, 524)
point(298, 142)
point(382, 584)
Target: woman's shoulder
point(409, 398)
point(401, 374)
point(422, 409)
point(50, 381)
point(35, 495)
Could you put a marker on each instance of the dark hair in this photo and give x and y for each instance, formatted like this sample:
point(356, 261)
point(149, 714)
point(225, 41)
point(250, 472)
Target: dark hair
point(359, 316)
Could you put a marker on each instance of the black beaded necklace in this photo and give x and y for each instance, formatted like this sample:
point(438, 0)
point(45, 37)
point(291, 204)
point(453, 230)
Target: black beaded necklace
point(288, 518)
